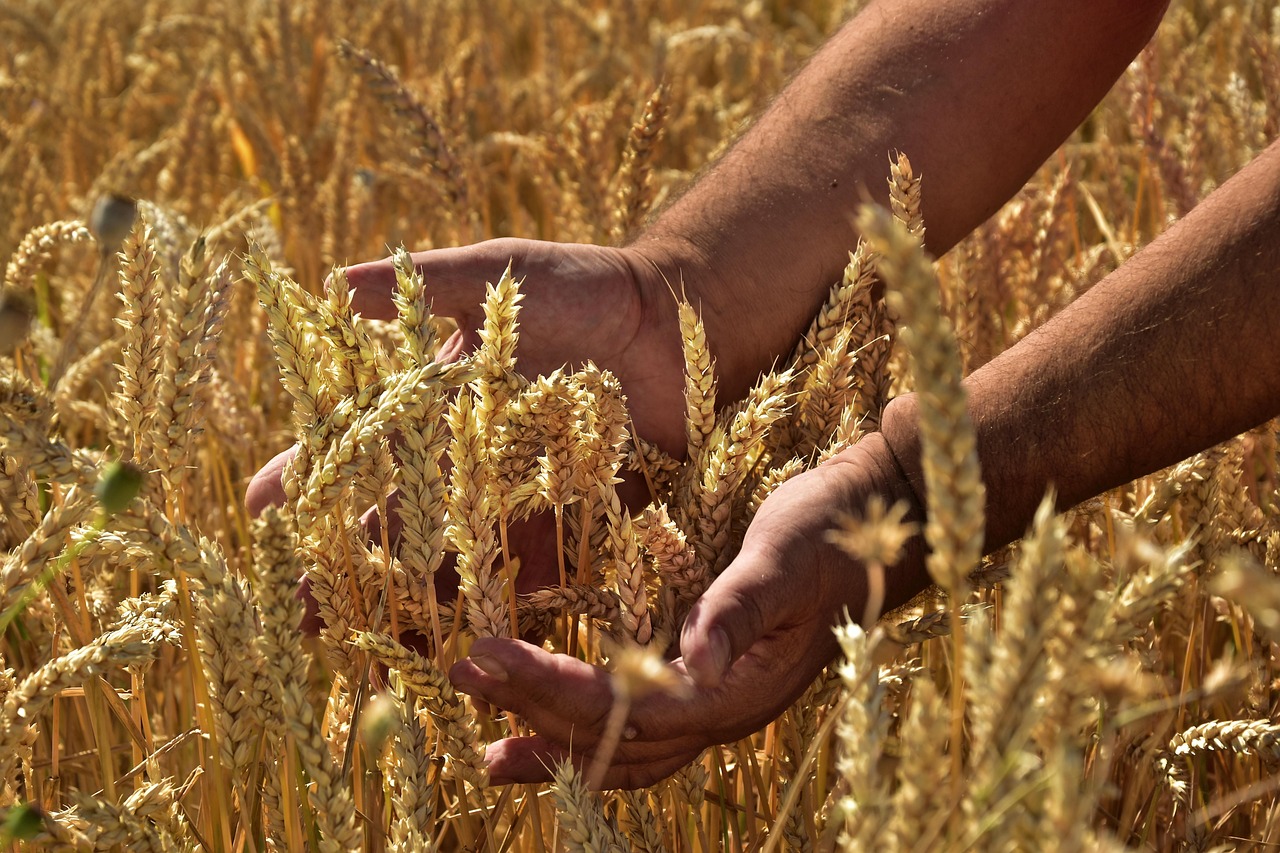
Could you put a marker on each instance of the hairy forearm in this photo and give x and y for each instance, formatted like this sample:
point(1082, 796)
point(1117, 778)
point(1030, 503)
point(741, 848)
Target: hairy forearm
point(1172, 353)
point(976, 92)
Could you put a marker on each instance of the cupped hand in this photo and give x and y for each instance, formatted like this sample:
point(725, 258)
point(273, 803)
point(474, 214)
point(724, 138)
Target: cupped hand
point(752, 644)
point(581, 303)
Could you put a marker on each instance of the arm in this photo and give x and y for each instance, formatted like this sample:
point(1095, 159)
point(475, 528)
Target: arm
point(756, 243)
point(977, 92)
point(1168, 355)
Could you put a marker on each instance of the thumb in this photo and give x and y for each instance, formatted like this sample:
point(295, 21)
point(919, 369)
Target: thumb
point(740, 607)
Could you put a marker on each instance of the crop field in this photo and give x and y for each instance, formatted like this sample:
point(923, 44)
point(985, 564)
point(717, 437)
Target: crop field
point(179, 179)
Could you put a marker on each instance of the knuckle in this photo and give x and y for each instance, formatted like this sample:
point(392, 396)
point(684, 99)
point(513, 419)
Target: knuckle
point(507, 248)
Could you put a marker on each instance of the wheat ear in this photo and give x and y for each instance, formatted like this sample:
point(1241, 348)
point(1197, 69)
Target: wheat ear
point(278, 570)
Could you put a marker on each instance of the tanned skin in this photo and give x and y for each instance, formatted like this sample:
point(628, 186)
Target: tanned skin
point(1135, 375)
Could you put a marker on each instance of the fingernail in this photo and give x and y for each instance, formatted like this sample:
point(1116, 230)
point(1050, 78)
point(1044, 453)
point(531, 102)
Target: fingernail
point(718, 643)
point(490, 666)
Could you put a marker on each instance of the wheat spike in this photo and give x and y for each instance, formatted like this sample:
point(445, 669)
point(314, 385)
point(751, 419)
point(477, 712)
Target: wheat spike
point(275, 557)
point(638, 823)
point(429, 140)
point(581, 815)
point(414, 312)
point(1013, 667)
point(471, 520)
point(237, 681)
point(953, 486)
point(700, 381)
point(197, 311)
point(127, 646)
point(420, 678)
point(36, 248)
point(404, 766)
point(633, 195)
point(1241, 737)
point(26, 424)
point(144, 339)
point(904, 196)
point(864, 724)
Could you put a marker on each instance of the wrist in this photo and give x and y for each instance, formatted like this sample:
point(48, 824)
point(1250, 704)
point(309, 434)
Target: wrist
point(749, 317)
point(1011, 500)
point(669, 267)
point(899, 431)
point(873, 465)
point(873, 458)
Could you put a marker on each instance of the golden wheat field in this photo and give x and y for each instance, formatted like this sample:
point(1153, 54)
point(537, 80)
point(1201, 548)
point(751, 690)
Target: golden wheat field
point(177, 179)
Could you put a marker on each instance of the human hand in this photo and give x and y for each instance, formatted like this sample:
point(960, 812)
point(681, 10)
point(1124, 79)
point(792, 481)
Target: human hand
point(752, 644)
point(581, 302)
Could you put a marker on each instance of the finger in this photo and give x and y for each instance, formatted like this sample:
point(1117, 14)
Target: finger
point(459, 344)
point(567, 700)
point(523, 760)
point(561, 697)
point(455, 279)
point(266, 488)
point(747, 601)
